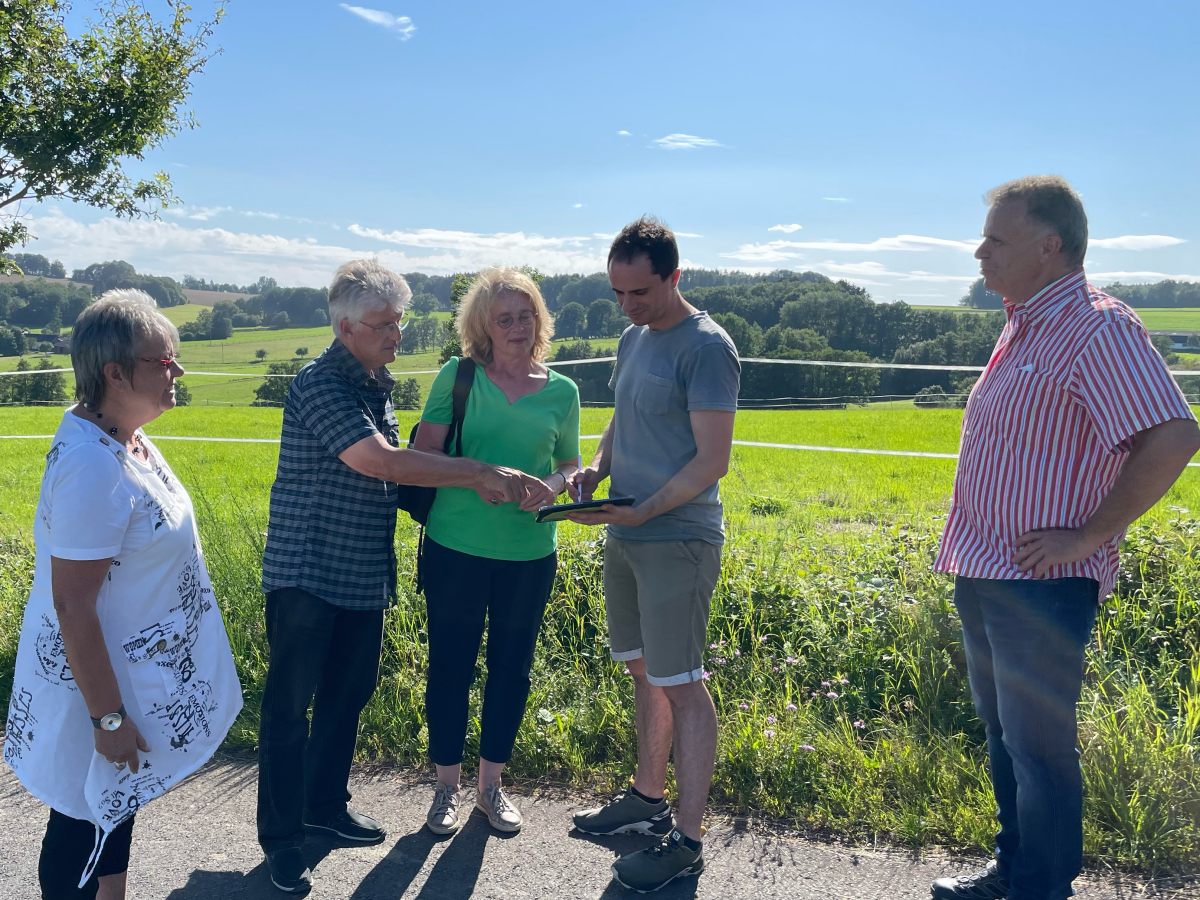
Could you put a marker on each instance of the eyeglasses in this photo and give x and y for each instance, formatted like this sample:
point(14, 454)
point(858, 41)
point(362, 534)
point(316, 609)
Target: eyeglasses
point(171, 359)
point(387, 327)
point(506, 322)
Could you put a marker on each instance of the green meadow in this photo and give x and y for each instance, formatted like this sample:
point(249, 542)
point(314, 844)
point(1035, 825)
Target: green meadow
point(835, 660)
point(1154, 318)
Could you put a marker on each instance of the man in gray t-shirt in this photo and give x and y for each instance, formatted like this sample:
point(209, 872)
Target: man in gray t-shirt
point(667, 446)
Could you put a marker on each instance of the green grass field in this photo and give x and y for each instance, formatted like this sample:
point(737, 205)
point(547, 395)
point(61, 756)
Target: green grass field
point(835, 660)
point(1154, 318)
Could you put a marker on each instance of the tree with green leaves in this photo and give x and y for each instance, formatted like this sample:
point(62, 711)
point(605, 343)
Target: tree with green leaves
point(406, 394)
point(274, 390)
point(74, 109)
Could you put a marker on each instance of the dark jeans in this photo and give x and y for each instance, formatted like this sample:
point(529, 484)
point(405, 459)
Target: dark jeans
point(66, 849)
point(327, 656)
point(1025, 643)
point(460, 590)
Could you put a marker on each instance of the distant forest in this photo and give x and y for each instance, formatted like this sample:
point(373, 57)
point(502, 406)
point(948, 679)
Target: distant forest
point(778, 315)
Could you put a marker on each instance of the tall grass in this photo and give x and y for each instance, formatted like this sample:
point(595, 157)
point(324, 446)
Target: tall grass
point(835, 659)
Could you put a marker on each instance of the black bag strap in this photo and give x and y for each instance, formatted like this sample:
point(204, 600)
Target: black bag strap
point(463, 379)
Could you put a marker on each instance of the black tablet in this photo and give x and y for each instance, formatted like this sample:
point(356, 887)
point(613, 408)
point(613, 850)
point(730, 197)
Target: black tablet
point(560, 511)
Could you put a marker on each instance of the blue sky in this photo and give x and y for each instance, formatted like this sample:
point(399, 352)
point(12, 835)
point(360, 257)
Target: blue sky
point(854, 139)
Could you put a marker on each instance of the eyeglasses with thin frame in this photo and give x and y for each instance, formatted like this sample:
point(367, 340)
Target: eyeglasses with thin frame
point(387, 327)
point(506, 321)
point(165, 361)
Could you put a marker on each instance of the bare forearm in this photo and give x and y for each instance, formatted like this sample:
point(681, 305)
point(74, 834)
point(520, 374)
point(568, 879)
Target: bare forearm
point(1158, 457)
point(601, 462)
point(87, 655)
point(684, 485)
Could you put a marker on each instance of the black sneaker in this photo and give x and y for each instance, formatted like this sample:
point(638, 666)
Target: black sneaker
point(289, 872)
point(351, 826)
point(986, 884)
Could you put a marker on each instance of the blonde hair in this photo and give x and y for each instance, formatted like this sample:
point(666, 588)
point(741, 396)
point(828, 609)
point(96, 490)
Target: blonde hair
point(477, 304)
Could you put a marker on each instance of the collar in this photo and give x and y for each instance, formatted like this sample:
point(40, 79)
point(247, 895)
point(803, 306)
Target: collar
point(1049, 300)
point(347, 365)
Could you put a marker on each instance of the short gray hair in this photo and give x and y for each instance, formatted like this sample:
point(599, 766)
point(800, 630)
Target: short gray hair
point(362, 286)
point(108, 331)
point(1049, 199)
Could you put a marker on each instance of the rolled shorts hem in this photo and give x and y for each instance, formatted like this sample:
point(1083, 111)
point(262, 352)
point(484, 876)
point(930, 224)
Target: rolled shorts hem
point(672, 680)
point(625, 655)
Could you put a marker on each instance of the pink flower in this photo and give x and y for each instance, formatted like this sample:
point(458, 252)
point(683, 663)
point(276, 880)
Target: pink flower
point(791, 707)
point(769, 733)
point(808, 748)
point(770, 720)
point(743, 705)
point(859, 723)
point(832, 695)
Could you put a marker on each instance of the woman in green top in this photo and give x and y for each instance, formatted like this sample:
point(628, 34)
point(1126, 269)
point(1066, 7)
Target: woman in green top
point(483, 559)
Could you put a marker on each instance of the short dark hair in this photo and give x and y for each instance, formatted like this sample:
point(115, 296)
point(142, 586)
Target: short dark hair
point(650, 237)
point(1049, 199)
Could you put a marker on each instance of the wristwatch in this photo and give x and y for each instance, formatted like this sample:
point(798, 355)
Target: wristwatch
point(110, 721)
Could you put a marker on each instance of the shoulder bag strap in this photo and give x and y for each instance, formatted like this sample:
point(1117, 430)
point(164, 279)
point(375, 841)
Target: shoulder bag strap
point(463, 379)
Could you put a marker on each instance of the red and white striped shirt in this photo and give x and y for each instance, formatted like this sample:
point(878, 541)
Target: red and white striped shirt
point(1048, 427)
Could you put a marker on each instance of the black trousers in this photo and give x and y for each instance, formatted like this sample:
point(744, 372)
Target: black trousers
point(460, 591)
point(328, 657)
point(66, 849)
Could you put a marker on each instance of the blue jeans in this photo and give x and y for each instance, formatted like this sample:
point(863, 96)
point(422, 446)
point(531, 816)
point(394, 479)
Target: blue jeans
point(1025, 643)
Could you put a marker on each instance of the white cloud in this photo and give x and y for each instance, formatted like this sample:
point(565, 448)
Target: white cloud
point(837, 199)
point(878, 270)
point(687, 234)
point(786, 229)
point(624, 133)
point(172, 248)
point(197, 213)
point(1135, 242)
point(909, 243)
point(401, 25)
point(1137, 277)
point(685, 142)
point(576, 206)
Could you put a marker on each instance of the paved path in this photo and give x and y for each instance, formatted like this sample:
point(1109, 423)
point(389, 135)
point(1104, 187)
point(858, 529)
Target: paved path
point(198, 843)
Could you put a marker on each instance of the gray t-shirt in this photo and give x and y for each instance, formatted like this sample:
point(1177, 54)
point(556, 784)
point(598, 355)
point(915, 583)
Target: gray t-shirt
point(659, 378)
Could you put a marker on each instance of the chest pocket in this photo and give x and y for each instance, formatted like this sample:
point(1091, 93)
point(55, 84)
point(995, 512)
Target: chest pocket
point(655, 394)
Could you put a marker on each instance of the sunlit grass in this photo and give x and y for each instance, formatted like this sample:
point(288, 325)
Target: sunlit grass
point(835, 660)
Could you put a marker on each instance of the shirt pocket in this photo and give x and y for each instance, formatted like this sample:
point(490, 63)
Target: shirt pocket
point(160, 660)
point(655, 394)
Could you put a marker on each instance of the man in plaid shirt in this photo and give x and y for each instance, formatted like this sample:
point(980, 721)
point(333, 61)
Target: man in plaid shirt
point(1074, 430)
point(329, 567)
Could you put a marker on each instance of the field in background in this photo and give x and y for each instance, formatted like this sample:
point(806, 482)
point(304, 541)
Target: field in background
point(1154, 318)
point(835, 659)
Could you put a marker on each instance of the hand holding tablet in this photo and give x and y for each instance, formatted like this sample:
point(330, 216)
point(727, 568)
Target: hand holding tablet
point(560, 511)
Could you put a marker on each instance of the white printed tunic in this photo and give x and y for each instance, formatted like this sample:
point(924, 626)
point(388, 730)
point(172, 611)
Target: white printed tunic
point(160, 622)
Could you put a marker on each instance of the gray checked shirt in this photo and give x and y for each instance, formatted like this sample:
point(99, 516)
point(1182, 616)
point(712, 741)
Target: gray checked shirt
point(331, 530)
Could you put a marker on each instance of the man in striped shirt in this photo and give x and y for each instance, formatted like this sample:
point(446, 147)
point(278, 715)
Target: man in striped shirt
point(1074, 429)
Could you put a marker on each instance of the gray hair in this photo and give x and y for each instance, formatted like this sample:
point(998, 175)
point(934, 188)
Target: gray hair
point(108, 331)
point(362, 286)
point(1050, 200)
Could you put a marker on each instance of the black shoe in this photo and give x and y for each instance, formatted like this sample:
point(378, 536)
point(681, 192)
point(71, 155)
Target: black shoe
point(351, 826)
point(986, 884)
point(288, 871)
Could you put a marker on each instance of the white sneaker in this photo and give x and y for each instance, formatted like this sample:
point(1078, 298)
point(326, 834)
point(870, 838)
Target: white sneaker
point(442, 817)
point(502, 815)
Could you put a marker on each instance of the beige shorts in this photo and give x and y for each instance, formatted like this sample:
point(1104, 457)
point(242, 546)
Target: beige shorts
point(657, 594)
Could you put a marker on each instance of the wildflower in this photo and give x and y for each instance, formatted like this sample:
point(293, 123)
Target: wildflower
point(737, 652)
point(705, 676)
point(762, 638)
point(807, 748)
point(769, 733)
point(843, 681)
point(860, 724)
point(832, 695)
point(825, 684)
point(815, 695)
point(791, 661)
point(770, 720)
point(791, 707)
point(743, 705)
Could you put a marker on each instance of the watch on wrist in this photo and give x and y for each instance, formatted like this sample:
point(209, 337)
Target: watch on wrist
point(110, 721)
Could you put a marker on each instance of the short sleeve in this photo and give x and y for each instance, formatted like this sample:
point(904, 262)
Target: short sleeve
point(88, 504)
point(713, 377)
point(1124, 385)
point(439, 405)
point(333, 412)
point(567, 445)
point(612, 379)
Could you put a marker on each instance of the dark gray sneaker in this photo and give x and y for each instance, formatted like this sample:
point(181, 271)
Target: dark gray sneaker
point(626, 812)
point(986, 884)
point(657, 866)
